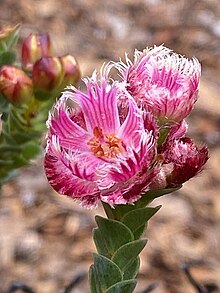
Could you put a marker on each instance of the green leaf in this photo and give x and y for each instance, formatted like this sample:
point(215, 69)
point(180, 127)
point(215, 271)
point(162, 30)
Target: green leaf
point(114, 233)
point(94, 287)
point(31, 150)
point(118, 212)
point(99, 243)
point(127, 253)
point(107, 272)
point(9, 148)
point(19, 161)
point(132, 269)
point(123, 287)
point(150, 195)
point(135, 220)
point(7, 58)
point(5, 163)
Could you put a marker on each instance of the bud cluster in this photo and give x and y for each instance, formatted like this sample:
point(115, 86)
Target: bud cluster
point(42, 74)
point(27, 91)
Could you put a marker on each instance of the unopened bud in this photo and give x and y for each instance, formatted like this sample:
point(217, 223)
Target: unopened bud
point(47, 76)
point(15, 85)
point(71, 70)
point(34, 47)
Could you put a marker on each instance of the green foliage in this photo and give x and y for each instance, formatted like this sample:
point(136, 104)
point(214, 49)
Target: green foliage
point(141, 216)
point(7, 58)
point(114, 234)
point(119, 244)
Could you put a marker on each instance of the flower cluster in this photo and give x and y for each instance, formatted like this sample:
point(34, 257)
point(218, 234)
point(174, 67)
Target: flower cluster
point(122, 138)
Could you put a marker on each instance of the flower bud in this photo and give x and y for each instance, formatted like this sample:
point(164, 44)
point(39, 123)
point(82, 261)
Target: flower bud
point(47, 76)
point(34, 47)
point(71, 70)
point(15, 85)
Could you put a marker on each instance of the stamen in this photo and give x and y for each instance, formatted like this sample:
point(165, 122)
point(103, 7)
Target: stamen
point(105, 145)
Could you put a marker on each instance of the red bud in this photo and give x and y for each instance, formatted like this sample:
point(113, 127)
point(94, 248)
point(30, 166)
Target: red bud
point(34, 47)
point(71, 70)
point(15, 85)
point(47, 74)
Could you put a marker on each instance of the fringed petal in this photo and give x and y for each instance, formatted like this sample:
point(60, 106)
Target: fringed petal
point(99, 105)
point(68, 174)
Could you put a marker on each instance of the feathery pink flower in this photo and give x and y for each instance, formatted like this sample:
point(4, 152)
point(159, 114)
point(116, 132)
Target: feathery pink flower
point(96, 152)
point(163, 82)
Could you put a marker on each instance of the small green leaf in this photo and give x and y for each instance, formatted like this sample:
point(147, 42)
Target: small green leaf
point(132, 269)
point(9, 148)
point(114, 233)
point(135, 220)
point(31, 150)
point(127, 253)
point(7, 58)
point(99, 243)
point(107, 272)
point(140, 231)
point(19, 161)
point(4, 163)
point(150, 195)
point(123, 287)
point(94, 287)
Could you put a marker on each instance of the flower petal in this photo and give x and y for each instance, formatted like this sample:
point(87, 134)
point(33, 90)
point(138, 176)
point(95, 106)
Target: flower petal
point(68, 174)
point(71, 135)
point(99, 105)
point(129, 131)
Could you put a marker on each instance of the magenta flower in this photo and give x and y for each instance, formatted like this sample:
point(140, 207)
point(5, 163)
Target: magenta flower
point(109, 143)
point(163, 82)
point(96, 152)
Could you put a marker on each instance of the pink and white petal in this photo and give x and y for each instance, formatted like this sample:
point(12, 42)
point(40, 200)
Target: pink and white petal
point(113, 198)
point(66, 174)
point(129, 132)
point(71, 135)
point(99, 106)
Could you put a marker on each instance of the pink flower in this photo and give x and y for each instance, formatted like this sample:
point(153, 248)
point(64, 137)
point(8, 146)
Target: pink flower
point(163, 82)
point(95, 150)
point(186, 159)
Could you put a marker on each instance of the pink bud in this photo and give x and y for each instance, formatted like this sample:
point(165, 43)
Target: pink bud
point(187, 159)
point(15, 85)
point(34, 47)
point(71, 70)
point(47, 74)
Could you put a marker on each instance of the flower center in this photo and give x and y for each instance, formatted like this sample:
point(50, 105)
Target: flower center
point(105, 145)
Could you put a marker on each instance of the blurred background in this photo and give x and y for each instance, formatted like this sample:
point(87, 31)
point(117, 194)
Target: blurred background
point(45, 239)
